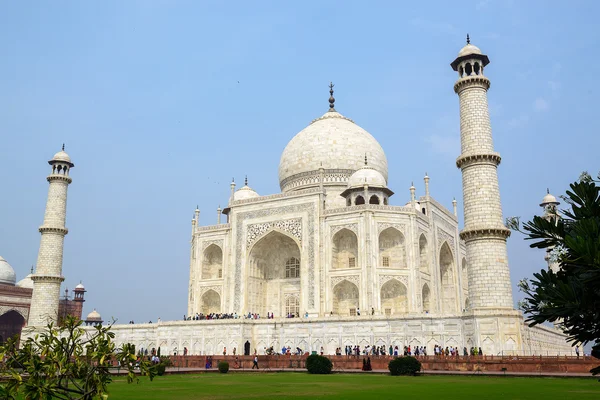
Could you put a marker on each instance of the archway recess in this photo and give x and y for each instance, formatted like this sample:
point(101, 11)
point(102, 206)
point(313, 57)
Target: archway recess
point(212, 262)
point(211, 302)
point(394, 298)
point(447, 278)
point(344, 250)
point(345, 298)
point(273, 269)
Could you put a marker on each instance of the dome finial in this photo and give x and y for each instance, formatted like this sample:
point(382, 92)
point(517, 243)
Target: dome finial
point(468, 39)
point(246, 181)
point(547, 190)
point(32, 269)
point(331, 98)
point(366, 163)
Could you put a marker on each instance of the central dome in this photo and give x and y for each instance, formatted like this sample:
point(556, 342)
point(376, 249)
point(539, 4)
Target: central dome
point(334, 143)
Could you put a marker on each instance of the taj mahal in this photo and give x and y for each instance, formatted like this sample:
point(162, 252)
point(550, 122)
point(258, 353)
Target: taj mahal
point(333, 252)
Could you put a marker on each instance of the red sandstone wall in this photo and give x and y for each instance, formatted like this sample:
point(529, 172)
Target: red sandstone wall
point(562, 364)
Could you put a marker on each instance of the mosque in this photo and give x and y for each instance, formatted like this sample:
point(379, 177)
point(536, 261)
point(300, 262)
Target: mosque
point(332, 251)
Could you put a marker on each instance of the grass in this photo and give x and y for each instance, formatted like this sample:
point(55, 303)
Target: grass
point(290, 385)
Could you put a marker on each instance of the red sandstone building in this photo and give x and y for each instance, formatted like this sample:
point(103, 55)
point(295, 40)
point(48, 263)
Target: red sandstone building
point(15, 300)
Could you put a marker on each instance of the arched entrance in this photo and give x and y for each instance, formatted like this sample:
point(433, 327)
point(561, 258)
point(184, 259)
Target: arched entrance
point(344, 250)
point(423, 254)
point(211, 302)
point(426, 297)
point(394, 298)
point(273, 268)
point(391, 249)
point(345, 298)
point(11, 324)
point(447, 286)
point(212, 262)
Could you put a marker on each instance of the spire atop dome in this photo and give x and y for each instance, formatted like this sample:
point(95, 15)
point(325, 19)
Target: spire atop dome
point(468, 39)
point(331, 98)
point(246, 181)
point(63, 147)
point(366, 163)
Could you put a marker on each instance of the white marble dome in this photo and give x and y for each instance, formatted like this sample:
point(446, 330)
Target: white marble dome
point(332, 142)
point(367, 175)
point(549, 199)
point(7, 273)
point(80, 286)
point(468, 50)
point(62, 156)
point(245, 192)
point(94, 316)
point(26, 282)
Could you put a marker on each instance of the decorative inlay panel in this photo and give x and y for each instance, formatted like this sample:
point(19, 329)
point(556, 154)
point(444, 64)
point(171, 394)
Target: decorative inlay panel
point(385, 278)
point(444, 236)
point(291, 226)
point(350, 278)
point(384, 225)
point(218, 242)
point(204, 289)
point(336, 228)
point(310, 209)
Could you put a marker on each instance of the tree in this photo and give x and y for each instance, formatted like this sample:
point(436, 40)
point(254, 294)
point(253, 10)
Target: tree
point(571, 296)
point(66, 362)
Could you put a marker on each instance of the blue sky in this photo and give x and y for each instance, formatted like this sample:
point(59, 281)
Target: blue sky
point(161, 103)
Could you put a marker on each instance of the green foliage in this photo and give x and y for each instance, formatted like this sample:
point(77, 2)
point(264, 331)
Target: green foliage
point(572, 295)
point(66, 362)
point(160, 369)
point(404, 366)
point(223, 367)
point(316, 364)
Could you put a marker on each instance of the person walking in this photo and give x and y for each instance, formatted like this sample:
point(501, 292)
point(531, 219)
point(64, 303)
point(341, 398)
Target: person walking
point(255, 362)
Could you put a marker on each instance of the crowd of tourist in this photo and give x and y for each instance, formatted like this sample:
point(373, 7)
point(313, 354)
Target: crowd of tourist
point(200, 316)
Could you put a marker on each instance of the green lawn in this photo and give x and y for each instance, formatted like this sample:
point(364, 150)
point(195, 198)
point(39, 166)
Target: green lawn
point(290, 385)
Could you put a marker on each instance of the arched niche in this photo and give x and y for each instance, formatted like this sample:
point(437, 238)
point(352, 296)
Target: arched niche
point(447, 279)
point(426, 298)
point(345, 298)
point(344, 252)
point(359, 200)
point(292, 306)
point(210, 302)
point(392, 252)
point(374, 199)
point(394, 298)
point(423, 254)
point(212, 262)
point(11, 324)
point(268, 261)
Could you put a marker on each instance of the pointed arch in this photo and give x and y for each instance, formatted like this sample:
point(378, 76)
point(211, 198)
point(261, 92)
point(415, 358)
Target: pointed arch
point(359, 200)
point(447, 279)
point(269, 260)
point(374, 199)
point(423, 254)
point(392, 252)
point(292, 306)
point(210, 302)
point(212, 262)
point(394, 297)
point(344, 251)
point(426, 298)
point(345, 297)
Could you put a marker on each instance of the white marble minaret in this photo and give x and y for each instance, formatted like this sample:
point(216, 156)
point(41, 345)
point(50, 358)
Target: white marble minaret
point(48, 272)
point(484, 232)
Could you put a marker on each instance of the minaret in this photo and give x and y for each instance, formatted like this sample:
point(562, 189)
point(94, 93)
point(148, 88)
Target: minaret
point(549, 204)
point(48, 272)
point(484, 232)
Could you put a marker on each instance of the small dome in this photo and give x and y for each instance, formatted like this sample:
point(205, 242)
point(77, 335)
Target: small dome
point(468, 50)
point(94, 316)
point(367, 176)
point(245, 192)
point(549, 199)
point(7, 273)
point(62, 156)
point(26, 282)
point(80, 286)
